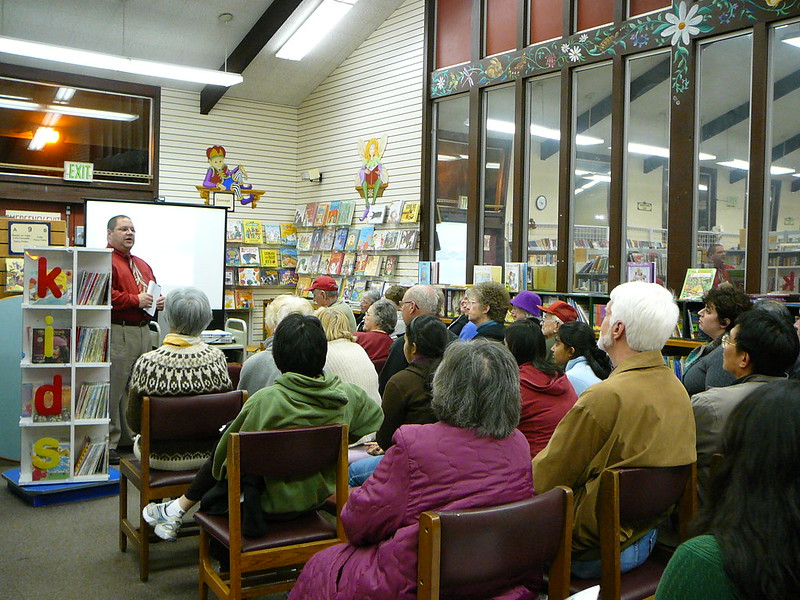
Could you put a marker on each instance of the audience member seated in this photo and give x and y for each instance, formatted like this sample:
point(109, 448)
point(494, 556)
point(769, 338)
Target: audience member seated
point(751, 522)
point(379, 324)
point(489, 302)
point(395, 294)
point(457, 324)
point(546, 393)
point(703, 367)
point(525, 305)
point(259, 370)
point(760, 348)
point(182, 366)
point(640, 416)
point(368, 298)
point(555, 315)
point(576, 350)
point(302, 395)
point(407, 397)
point(346, 359)
point(473, 457)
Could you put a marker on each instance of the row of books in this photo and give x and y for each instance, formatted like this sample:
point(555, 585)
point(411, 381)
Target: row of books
point(632, 243)
point(93, 289)
point(357, 238)
point(349, 263)
point(92, 344)
point(253, 231)
point(91, 458)
point(52, 345)
point(256, 276)
point(238, 299)
point(598, 265)
point(92, 402)
point(250, 256)
point(331, 214)
point(543, 244)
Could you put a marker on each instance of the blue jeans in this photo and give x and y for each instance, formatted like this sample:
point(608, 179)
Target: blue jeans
point(630, 558)
point(360, 470)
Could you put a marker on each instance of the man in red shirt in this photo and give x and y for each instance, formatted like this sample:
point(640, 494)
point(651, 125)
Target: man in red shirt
point(716, 258)
point(130, 335)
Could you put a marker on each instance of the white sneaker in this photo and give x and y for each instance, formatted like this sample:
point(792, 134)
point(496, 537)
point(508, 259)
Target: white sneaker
point(165, 526)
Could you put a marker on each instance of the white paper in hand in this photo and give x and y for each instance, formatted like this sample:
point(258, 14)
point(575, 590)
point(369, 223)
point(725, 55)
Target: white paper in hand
point(155, 291)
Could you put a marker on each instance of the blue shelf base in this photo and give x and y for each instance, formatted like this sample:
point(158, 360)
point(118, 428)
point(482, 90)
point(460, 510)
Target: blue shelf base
point(59, 493)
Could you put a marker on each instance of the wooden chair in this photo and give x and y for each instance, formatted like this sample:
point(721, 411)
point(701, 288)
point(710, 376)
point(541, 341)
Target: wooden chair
point(275, 454)
point(486, 551)
point(635, 496)
point(197, 418)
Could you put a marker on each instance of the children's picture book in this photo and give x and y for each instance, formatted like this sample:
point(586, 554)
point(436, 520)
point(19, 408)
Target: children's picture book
point(394, 211)
point(390, 266)
point(233, 231)
point(340, 238)
point(304, 241)
point(50, 459)
point(322, 214)
point(248, 255)
point(516, 276)
point(252, 233)
point(303, 264)
point(310, 214)
point(377, 239)
point(361, 262)
point(230, 299)
point(249, 276)
point(377, 214)
point(314, 263)
point(50, 345)
point(487, 273)
point(57, 289)
point(410, 212)
point(333, 214)
point(359, 287)
point(298, 216)
point(272, 233)
point(335, 263)
point(287, 277)
point(641, 271)
point(230, 276)
point(289, 258)
point(372, 268)
point(268, 277)
point(348, 263)
point(14, 274)
point(365, 238)
point(244, 298)
point(424, 272)
point(316, 238)
point(326, 242)
point(408, 239)
point(303, 283)
point(288, 234)
point(352, 239)
point(232, 256)
point(46, 402)
point(697, 283)
point(391, 239)
point(325, 263)
point(347, 288)
point(346, 210)
point(269, 257)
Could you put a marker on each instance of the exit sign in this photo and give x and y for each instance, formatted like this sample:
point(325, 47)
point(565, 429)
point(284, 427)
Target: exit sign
point(78, 171)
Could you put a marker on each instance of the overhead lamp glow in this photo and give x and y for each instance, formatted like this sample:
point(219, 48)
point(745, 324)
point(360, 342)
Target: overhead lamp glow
point(43, 135)
point(648, 150)
point(74, 111)
point(555, 134)
point(795, 41)
point(743, 165)
point(99, 60)
point(314, 29)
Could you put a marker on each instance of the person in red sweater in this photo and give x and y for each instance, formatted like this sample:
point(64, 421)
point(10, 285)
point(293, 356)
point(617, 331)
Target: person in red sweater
point(379, 323)
point(546, 393)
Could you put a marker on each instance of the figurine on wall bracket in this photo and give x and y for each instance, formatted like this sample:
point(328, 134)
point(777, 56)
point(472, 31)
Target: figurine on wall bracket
point(220, 177)
point(373, 177)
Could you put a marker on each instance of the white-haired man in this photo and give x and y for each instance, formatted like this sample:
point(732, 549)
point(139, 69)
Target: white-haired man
point(640, 416)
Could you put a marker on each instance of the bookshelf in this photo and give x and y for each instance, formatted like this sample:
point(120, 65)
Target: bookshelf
point(66, 321)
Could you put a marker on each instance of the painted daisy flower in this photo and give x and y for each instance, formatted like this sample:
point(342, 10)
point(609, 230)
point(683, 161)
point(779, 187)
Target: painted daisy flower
point(575, 54)
point(583, 38)
point(683, 24)
point(564, 48)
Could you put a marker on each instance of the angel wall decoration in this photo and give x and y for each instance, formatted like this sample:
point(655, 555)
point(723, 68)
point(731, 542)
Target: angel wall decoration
point(373, 177)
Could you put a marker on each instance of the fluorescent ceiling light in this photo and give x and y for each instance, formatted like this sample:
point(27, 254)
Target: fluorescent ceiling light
point(74, 111)
point(539, 131)
point(314, 29)
point(99, 60)
point(795, 41)
point(743, 165)
point(702, 187)
point(43, 135)
point(64, 95)
point(492, 165)
point(647, 150)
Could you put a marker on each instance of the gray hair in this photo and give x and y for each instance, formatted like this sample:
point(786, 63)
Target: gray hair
point(477, 387)
point(424, 296)
point(187, 310)
point(371, 296)
point(284, 305)
point(385, 313)
point(648, 312)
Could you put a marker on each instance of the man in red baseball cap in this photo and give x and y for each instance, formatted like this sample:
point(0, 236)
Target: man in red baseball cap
point(325, 291)
point(555, 315)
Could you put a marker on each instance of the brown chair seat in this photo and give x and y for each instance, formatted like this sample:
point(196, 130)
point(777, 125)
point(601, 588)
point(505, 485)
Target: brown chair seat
point(163, 478)
point(636, 584)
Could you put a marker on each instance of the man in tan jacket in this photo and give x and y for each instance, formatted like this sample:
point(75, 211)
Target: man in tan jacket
point(640, 416)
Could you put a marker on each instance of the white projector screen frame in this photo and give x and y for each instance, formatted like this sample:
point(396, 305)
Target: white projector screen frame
point(183, 243)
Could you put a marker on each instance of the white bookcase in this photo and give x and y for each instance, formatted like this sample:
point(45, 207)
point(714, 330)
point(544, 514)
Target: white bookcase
point(65, 340)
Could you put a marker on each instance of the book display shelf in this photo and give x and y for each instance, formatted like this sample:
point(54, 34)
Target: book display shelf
point(66, 321)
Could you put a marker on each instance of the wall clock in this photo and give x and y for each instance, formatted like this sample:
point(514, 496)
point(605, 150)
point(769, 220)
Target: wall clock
point(541, 202)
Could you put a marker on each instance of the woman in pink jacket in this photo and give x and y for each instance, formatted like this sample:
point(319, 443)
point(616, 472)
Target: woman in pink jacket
point(473, 457)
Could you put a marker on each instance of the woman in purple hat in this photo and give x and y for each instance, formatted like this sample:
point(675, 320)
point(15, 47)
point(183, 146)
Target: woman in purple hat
point(525, 305)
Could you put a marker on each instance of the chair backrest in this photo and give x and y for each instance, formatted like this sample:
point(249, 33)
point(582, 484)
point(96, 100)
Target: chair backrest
point(648, 492)
point(295, 452)
point(488, 550)
point(189, 417)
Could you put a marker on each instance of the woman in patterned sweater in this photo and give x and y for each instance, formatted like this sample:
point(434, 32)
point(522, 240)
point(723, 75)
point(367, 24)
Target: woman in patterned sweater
point(182, 366)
